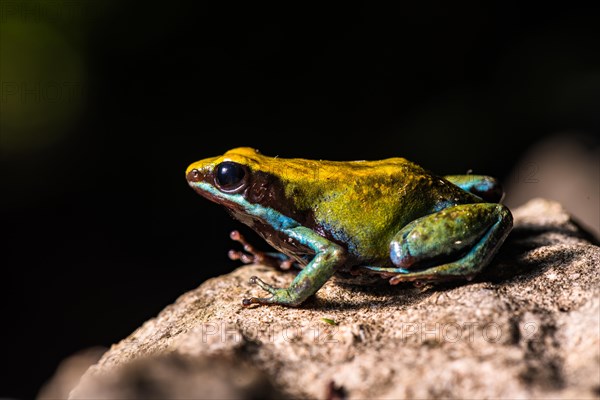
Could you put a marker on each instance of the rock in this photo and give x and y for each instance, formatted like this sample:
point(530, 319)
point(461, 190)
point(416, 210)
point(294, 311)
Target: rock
point(69, 372)
point(174, 375)
point(528, 327)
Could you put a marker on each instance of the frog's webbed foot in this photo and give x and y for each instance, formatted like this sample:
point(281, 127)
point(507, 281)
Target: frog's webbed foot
point(250, 255)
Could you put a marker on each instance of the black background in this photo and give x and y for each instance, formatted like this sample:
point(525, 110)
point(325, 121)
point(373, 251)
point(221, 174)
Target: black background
point(101, 231)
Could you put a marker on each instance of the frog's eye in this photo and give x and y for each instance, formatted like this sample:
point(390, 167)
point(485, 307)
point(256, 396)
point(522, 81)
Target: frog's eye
point(229, 175)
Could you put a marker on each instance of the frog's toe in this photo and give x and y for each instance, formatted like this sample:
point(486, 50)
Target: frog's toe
point(259, 300)
point(279, 296)
point(247, 302)
point(255, 280)
point(241, 256)
point(249, 255)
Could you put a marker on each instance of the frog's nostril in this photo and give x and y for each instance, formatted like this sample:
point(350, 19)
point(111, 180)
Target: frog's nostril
point(193, 175)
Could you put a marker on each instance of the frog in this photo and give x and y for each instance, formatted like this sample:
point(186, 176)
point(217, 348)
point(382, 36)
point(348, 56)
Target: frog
point(384, 219)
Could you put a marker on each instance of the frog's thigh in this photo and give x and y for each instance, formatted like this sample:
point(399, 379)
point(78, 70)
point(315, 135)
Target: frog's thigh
point(486, 187)
point(472, 231)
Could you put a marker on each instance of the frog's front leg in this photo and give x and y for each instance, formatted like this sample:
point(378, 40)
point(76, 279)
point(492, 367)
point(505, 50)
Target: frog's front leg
point(457, 241)
point(486, 187)
point(328, 256)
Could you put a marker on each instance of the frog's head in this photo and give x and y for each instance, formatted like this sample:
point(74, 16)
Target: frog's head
point(224, 178)
point(242, 180)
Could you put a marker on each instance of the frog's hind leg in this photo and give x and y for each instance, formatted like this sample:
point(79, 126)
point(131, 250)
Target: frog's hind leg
point(486, 187)
point(456, 242)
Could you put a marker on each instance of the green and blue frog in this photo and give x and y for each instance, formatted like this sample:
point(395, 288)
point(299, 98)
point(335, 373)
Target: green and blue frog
point(389, 218)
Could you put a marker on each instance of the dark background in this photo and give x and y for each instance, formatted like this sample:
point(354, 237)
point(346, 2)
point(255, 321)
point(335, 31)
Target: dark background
point(105, 103)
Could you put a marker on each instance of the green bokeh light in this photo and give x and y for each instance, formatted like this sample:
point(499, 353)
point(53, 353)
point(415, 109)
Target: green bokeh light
point(42, 85)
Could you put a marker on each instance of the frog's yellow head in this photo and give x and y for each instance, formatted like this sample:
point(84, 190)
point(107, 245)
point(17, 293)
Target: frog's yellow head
point(220, 177)
point(244, 156)
point(238, 178)
point(247, 183)
point(242, 167)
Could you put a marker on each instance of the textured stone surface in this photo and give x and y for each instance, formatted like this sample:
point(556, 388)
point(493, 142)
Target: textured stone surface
point(528, 327)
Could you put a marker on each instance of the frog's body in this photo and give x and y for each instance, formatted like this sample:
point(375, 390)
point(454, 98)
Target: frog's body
point(388, 217)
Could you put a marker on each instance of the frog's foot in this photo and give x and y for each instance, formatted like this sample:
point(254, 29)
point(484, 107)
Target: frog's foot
point(250, 255)
point(486, 187)
point(278, 295)
point(328, 257)
point(255, 280)
point(453, 243)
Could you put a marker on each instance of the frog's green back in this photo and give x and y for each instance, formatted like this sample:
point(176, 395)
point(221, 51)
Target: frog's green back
point(362, 203)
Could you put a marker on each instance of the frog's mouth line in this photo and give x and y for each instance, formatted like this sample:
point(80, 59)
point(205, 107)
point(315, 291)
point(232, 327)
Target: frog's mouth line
point(209, 192)
point(237, 203)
